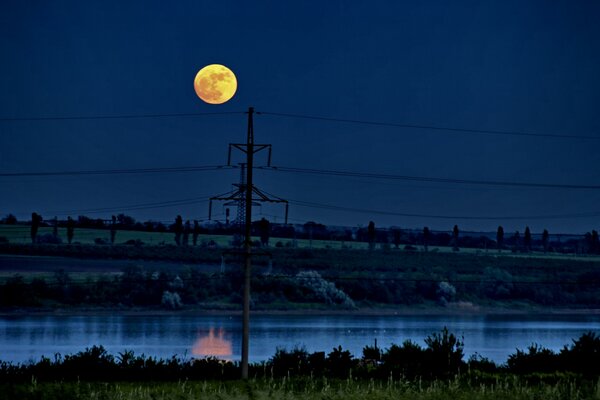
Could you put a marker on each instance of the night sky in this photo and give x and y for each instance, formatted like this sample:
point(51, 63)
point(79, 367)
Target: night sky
point(515, 66)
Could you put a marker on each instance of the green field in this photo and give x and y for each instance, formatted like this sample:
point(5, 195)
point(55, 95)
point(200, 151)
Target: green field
point(312, 389)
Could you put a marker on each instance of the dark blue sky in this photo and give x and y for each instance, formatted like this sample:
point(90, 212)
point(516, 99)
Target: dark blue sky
point(496, 65)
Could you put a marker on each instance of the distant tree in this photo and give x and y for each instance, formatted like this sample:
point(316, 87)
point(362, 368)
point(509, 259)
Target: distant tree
point(10, 219)
point(371, 235)
point(264, 228)
point(186, 232)
point(500, 238)
point(545, 240)
point(70, 229)
point(426, 237)
point(36, 219)
point(125, 220)
point(455, 233)
point(195, 232)
point(113, 229)
point(595, 245)
point(527, 239)
point(178, 229)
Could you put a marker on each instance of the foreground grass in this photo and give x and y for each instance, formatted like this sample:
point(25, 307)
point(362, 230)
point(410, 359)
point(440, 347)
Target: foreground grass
point(506, 388)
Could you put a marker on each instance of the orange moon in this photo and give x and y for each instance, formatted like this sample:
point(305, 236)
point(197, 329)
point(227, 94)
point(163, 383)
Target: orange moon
point(215, 84)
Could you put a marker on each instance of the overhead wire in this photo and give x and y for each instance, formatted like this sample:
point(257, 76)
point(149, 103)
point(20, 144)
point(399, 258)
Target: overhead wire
point(438, 216)
point(142, 206)
point(118, 116)
point(428, 127)
point(119, 171)
point(371, 175)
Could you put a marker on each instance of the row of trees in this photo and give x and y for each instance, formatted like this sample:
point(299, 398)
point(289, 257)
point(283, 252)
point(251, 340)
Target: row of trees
point(186, 233)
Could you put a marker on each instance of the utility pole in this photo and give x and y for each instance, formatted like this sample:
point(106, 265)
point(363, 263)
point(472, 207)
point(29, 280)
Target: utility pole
point(248, 244)
point(244, 197)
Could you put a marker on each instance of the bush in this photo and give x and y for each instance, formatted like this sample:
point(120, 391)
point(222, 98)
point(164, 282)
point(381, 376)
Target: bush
point(171, 300)
point(324, 290)
point(445, 353)
point(536, 359)
point(445, 293)
point(583, 356)
point(289, 363)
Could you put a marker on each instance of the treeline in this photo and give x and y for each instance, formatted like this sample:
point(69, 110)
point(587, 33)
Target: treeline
point(186, 232)
point(442, 358)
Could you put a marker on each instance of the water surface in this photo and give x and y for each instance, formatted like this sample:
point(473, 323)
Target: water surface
point(24, 338)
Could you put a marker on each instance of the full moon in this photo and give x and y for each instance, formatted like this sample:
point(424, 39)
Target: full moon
point(215, 84)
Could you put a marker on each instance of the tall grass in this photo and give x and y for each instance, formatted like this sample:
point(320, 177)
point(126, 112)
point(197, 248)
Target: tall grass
point(508, 388)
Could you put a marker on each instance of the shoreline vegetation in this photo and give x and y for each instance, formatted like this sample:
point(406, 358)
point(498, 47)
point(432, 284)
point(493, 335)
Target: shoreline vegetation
point(403, 371)
point(190, 279)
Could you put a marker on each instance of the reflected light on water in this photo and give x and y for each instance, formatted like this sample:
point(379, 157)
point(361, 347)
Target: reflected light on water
point(211, 345)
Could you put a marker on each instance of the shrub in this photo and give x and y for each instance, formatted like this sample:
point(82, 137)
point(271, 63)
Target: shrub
point(536, 359)
point(324, 290)
point(445, 353)
point(340, 362)
point(445, 293)
point(289, 363)
point(171, 300)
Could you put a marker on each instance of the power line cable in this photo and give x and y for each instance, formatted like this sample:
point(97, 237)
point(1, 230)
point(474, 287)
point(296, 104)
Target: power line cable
point(119, 171)
point(371, 175)
point(436, 216)
point(120, 116)
point(430, 127)
point(143, 206)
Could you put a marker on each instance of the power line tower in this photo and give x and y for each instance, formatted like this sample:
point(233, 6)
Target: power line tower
point(245, 196)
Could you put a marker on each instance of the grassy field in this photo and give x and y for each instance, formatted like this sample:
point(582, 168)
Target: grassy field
point(311, 389)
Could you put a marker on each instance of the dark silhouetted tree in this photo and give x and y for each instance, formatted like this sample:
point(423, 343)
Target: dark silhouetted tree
point(426, 237)
point(113, 229)
point(178, 229)
point(545, 240)
point(264, 228)
point(195, 232)
point(125, 221)
point(500, 238)
point(70, 229)
point(371, 235)
point(36, 219)
point(527, 239)
point(455, 234)
point(594, 242)
point(10, 219)
point(186, 232)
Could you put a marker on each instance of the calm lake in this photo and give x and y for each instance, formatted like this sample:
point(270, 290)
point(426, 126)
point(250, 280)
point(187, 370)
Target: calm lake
point(495, 337)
